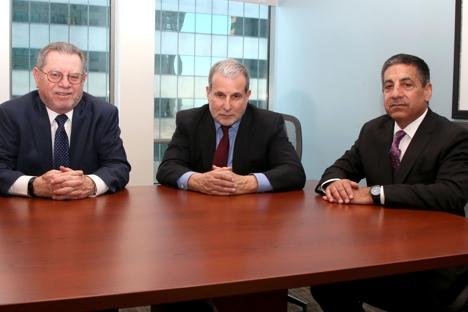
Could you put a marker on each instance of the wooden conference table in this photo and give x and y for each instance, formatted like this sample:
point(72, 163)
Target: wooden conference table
point(151, 244)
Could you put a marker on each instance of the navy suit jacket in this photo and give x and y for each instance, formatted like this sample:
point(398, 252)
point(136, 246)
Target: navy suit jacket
point(95, 144)
point(261, 146)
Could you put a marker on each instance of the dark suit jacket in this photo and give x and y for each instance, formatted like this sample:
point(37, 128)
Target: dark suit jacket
point(261, 146)
point(95, 144)
point(433, 173)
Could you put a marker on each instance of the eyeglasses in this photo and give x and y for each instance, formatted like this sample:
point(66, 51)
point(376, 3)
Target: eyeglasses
point(56, 76)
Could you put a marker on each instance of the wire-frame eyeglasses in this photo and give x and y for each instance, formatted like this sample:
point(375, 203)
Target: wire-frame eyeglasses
point(56, 76)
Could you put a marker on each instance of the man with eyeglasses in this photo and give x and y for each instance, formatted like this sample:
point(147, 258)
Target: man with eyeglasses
point(57, 141)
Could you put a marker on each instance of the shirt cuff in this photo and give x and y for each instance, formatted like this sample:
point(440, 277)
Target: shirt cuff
point(182, 182)
point(101, 186)
point(20, 186)
point(324, 185)
point(382, 195)
point(264, 184)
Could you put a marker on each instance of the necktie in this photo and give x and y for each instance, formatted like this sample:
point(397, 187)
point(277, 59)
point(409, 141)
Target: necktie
point(221, 155)
point(61, 146)
point(395, 152)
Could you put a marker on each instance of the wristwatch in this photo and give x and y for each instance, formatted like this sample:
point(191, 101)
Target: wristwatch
point(31, 187)
point(375, 193)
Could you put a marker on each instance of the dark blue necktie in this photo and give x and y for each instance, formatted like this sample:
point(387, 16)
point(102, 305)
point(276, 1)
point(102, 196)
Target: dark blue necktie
point(61, 146)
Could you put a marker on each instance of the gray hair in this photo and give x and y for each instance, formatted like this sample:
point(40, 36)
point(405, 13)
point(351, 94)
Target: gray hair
point(61, 47)
point(230, 68)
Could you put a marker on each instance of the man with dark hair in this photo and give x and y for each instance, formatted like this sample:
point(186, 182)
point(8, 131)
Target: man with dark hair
point(411, 158)
point(57, 141)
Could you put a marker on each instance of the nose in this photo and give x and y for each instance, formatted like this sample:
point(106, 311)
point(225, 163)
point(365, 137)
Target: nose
point(65, 82)
point(227, 104)
point(396, 91)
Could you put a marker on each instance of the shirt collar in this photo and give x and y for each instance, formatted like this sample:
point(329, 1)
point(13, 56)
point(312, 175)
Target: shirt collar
point(53, 114)
point(235, 125)
point(412, 127)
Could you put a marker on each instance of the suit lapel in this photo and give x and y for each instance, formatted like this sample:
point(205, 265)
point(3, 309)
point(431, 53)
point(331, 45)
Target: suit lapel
point(207, 139)
point(422, 136)
point(245, 133)
point(39, 121)
point(384, 140)
point(79, 133)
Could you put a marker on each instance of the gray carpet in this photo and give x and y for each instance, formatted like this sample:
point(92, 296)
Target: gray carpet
point(302, 293)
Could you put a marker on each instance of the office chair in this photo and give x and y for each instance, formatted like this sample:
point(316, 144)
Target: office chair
point(292, 127)
point(464, 124)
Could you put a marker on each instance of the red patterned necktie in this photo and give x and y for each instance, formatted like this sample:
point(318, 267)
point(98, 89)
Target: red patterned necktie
point(395, 152)
point(221, 155)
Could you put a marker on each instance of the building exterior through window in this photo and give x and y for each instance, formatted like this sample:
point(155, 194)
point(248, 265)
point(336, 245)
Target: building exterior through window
point(85, 23)
point(191, 36)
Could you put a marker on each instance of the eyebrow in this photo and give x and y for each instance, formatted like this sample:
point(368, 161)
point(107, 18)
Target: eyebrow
point(401, 80)
point(406, 78)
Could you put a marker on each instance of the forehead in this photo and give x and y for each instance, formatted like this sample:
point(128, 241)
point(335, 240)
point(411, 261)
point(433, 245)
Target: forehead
point(228, 84)
point(400, 71)
point(63, 62)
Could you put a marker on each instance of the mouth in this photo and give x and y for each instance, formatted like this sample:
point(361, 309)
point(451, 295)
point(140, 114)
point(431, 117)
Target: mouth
point(398, 105)
point(63, 94)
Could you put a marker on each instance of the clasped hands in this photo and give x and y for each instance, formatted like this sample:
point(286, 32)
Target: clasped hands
point(222, 181)
point(347, 192)
point(64, 184)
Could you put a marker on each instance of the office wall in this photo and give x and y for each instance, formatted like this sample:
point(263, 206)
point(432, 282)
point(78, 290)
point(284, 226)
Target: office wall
point(327, 56)
point(134, 84)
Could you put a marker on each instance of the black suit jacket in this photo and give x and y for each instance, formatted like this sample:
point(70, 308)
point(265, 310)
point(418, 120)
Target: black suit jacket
point(261, 146)
point(433, 173)
point(95, 144)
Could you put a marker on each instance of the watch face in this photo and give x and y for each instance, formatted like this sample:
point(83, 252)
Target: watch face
point(375, 190)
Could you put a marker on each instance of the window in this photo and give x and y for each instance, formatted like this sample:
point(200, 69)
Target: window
point(85, 23)
point(191, 36)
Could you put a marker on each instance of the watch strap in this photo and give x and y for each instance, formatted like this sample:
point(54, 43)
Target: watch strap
point(31, 187)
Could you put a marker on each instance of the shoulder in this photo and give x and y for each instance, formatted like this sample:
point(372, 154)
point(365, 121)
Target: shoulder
point(254, 110)
point(379, 121)
point(259, 115)
point(22, 103)
point(92, 103)
point(193, 116)
point(192, 112)
point(434, 122)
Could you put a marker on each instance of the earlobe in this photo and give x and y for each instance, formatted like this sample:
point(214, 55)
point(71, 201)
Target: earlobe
point(35, 73)
point(428, 91)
